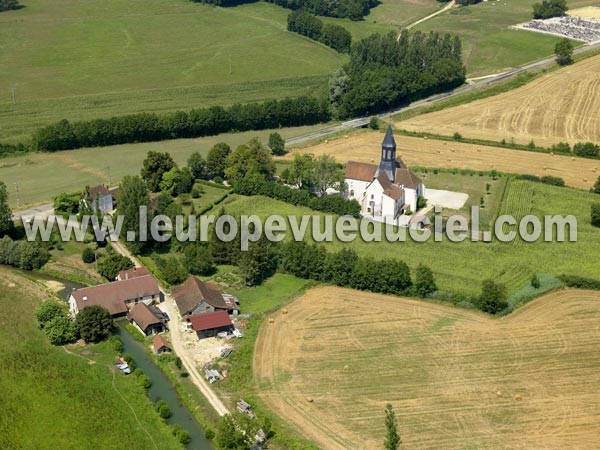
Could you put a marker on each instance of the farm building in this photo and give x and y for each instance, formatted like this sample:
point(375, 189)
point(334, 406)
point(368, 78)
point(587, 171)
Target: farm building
point(101, 197)
point(147, 319)
point(160, 345)
point(210, 323)
point(196, 297)
point(117, 297)
point(133, 273)
point(385, 192)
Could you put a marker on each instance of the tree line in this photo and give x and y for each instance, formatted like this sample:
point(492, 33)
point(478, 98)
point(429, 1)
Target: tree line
point(147, 127)
point(386, 71)
point(351, 9)
point(550, 8)
point(309, 25)
point(6, 5)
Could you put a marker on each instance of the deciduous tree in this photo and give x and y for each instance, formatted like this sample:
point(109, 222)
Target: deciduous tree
point(94, 323)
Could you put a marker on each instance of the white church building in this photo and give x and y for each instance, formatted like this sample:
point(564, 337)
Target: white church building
point(385, 192)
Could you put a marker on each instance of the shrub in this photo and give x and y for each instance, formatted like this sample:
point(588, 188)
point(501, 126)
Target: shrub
point(421, 202)
point(178, 363)
point(535, 281)
point(578, 282)
point(144, 381)
point(457, 136)
point(596, 188)
point(171, 270)
point(561, 147)
point(424, 281)
point(49, 310)
point(116, 343)
point(182, 435)
point(88, 256)
point(162, 409)
point(493, 297)
point(586, 149)
point(374, 123)
point(61, 330)
point(209, 434)
point(595, 214)
point(554, 181)
point(197, 191)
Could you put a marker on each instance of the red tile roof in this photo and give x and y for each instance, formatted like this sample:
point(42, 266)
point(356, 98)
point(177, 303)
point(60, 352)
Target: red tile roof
point(406, 178)
point(360, 171)
point(112, 296)
point(143, 316)
point(210, 320)
point(159, 342)
point(132, 273)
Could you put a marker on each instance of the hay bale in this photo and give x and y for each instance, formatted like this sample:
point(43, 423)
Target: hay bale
point(499, 394)
point(285, 311)
point(346, 368)
point(309, 400)
point(271, 320)
point(551, 153)
point(518, 397)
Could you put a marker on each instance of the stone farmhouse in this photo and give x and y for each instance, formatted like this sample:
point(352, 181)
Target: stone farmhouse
point(196, 297)
point(101, 197)
point(117, 297)
point(385, 191)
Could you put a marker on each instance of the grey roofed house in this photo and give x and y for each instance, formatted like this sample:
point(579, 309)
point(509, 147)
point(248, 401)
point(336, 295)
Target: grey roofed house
point(101, 197)
point(196, 297)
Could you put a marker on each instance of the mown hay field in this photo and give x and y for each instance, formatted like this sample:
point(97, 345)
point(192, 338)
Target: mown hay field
point(560, 106)
point(366, 147)
point(332, 360)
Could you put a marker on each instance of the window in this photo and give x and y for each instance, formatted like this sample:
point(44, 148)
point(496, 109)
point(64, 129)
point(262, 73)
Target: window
point(351, 193)
point(372, 197)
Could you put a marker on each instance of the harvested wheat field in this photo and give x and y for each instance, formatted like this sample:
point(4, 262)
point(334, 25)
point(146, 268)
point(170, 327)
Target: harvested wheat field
point(587, 12)
point(366, 147)
point(456, 378)
point(561, 106)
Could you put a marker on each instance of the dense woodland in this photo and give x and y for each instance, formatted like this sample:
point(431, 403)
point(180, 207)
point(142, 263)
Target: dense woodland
point(307, 24)
point(352, 9)
point(6, 5)
point(386, 71)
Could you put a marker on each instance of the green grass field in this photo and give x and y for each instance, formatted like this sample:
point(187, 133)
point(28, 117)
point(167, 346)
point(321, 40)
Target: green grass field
point(51, 399)
point(489, 45)
point(41, 176)
point(81, 60)
point(460, 267)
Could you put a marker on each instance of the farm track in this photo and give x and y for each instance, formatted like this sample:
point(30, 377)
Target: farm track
point(456, 378)
point(560, 106)
point(366, 147)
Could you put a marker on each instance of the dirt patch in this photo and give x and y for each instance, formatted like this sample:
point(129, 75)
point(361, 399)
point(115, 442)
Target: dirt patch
point(366, 147)
point(456, 378)
point(561, 106)
point(54, 286)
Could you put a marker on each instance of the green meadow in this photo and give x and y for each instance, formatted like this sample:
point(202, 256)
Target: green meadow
point(82, 60)
point(52, 399)
point(489, 44)
point(41, 176)
point(461, 267)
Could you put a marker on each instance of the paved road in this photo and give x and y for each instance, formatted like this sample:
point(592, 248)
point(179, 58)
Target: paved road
point(360, 122)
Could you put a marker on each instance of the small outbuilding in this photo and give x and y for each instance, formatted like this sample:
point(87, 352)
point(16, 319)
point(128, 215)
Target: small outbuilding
point(146, 319)
point(160, 345)
point(210, 323)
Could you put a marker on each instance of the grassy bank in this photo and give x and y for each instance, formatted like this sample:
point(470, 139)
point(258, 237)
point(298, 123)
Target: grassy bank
point(52, 399)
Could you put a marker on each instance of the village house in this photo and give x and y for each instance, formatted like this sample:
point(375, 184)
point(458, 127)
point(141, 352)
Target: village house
point(101, 197)
point(117, 297)
point(385, 191)
point(210, 323)
point(160, 345)
point(133, 273)
point(196, 297)
point(147, 319)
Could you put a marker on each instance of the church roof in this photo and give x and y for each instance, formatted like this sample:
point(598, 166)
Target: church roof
point(360, 171)
point(406, 178)
point(394, 192)
point(388, 140)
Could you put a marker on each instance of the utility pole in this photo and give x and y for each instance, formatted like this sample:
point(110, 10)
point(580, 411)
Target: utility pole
point(14, 95)
point(17, 191)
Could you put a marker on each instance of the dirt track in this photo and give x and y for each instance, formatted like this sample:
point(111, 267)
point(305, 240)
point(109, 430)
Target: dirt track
point(456, 378)
point(366, 147)
point(560, 106)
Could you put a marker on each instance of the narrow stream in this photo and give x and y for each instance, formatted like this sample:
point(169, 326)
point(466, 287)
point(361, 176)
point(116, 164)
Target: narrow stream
point(162, 388)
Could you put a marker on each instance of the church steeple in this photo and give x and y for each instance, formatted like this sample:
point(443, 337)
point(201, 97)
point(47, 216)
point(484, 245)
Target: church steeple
point(388, 156)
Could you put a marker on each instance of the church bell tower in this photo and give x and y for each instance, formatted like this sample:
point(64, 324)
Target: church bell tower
point(387, 164)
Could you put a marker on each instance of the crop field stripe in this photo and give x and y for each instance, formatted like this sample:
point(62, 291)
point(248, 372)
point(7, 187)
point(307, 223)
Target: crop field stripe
point(456, 378)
